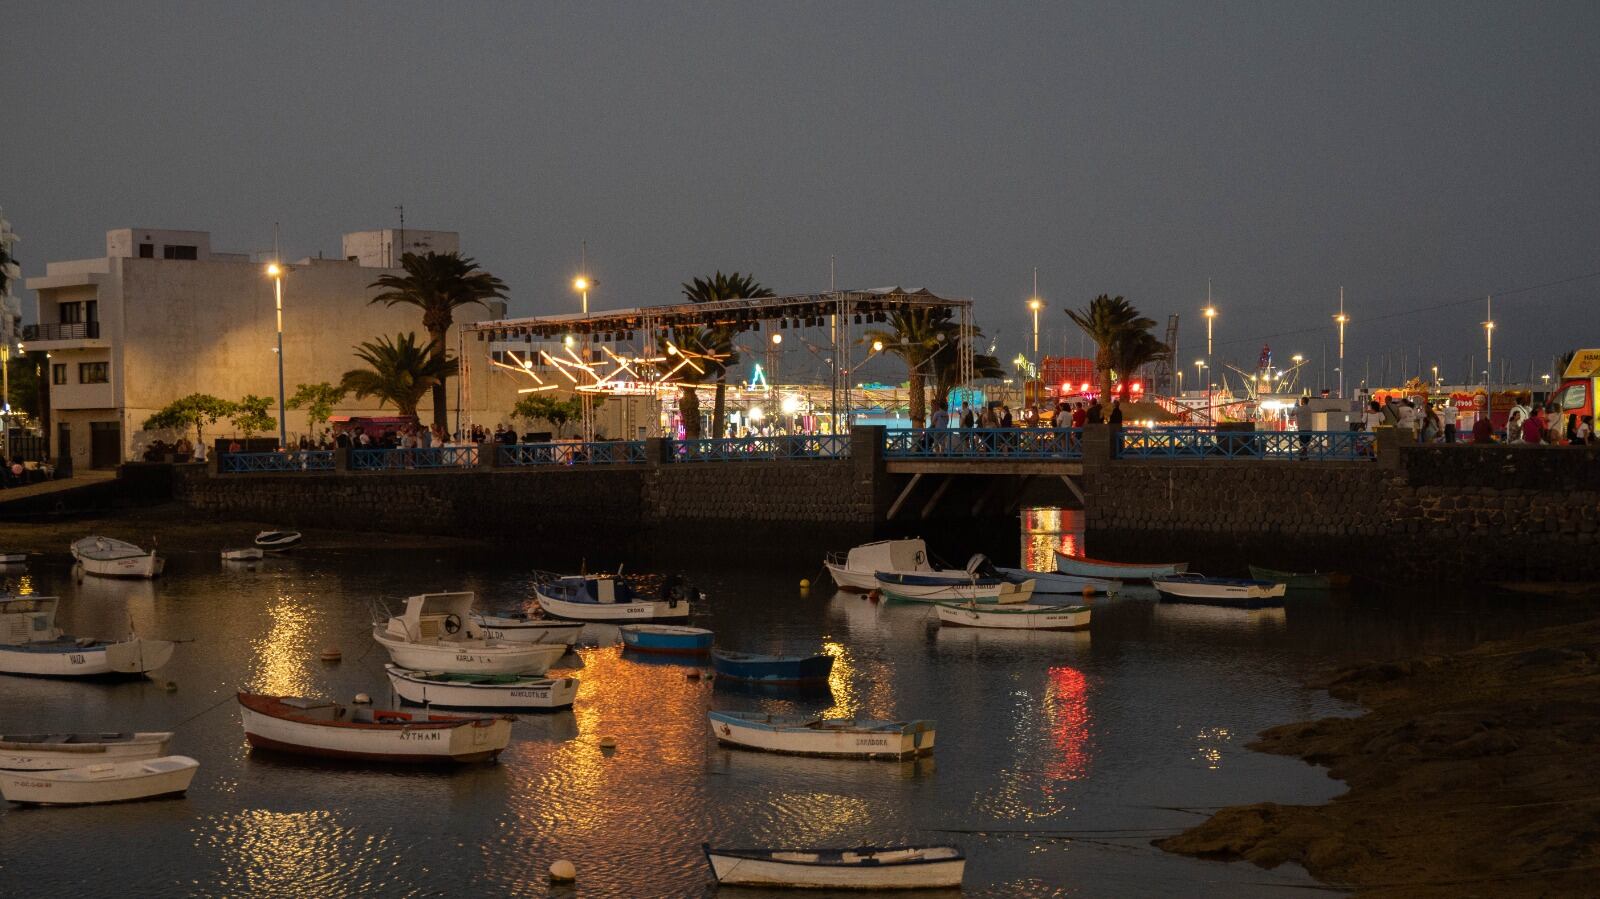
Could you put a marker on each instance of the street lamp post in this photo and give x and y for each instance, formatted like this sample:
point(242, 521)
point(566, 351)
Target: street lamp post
point(1341, 319)
point(275, 270)
point(1035, 305)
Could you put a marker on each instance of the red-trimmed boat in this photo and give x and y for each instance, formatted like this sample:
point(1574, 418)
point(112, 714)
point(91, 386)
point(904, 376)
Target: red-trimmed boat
point(320, 727)
point(1083, 566)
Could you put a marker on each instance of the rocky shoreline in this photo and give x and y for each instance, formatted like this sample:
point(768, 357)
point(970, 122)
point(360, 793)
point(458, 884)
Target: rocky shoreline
point(1472, 774)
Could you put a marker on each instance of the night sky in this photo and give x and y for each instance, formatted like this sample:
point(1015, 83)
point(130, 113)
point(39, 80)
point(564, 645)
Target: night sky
point(1421, 155)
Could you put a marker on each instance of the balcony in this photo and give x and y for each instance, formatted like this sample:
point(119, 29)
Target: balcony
point(74, 331)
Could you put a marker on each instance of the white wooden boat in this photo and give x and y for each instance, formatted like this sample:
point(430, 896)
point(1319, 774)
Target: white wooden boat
point(1240, 592)
point(861, 868)
point(1023, 616)
point(106, 557)
point(1127, 571)
point(810, 735)
point(329, 730)
point(1048, 583)
point(523, 629)
point(31, 644)
point(277, 541)
point(12, 558)
point(601, 597)
point(1003, 593)
point(857, 570)
point(436, 633)
point(482, 691)
point(250, 554)
point(51, 752)
point(105, 782)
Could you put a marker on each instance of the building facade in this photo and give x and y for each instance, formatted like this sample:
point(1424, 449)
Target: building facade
point(162, 315)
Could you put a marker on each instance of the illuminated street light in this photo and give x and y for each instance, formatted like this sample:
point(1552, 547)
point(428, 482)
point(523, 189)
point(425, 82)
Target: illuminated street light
point(877, 345)
point(275, 272)
point(777, 338)
point(1034, 305)
point(1341, 319)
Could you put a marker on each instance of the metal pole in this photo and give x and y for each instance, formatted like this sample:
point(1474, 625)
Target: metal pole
point(283, 428)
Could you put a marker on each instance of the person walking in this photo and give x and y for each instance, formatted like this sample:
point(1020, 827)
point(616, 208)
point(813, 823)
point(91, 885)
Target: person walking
point(1303, 424)
point(1430, 424)
point(1448, 414)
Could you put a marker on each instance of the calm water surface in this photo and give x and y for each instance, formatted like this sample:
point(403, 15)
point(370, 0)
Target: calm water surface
point(1060, 756)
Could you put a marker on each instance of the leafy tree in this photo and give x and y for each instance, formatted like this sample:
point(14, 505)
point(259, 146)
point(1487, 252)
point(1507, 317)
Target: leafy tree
point(925, 339)
point(193, 411)
point(398, 372)
point(438, 284)
point(1113, 324)
point(24, 373)
point(318, 400)
point(250, 415)
point(543, 407)
point(717, 340)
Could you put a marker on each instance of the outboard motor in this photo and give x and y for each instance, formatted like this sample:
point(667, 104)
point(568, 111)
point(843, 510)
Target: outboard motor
point(980, 566)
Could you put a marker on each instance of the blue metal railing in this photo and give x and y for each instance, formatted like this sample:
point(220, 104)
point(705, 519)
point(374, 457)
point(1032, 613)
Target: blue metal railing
point(368, 459)
point(604, 452)
point(1209, 443)
point(984, 443)
point(746, 449)
point(299, 460)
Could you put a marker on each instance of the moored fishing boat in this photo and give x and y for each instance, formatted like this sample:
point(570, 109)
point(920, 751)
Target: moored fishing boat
point(772, 669)
point(436, 633)
point(31, 644)
point(861, 868)
point(1024, 616)
point(106, 557)
point(1127, 571)
point(857, 570)
point(250, 554)
point(1003, 594)
point(278, 541)
point(1220, 591)
point(812, 735)
point(122, 781)
point(603, 597)
point(327, 729)
point(482, 691)
point(50, 752)
point(522, 628)
point(1302, 580)
point(667, 638)
point(1047, 583)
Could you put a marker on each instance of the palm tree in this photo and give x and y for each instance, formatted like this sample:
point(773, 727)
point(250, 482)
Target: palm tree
point(920, 336)
point(1136, 349)
point(398, 372)
point(438, 283)
point(718, 339)
point(1109, 321)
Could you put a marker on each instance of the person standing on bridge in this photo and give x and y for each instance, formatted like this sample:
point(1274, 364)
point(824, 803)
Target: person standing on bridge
point(1303, 423)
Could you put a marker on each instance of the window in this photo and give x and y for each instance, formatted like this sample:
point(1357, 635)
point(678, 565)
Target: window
point(58, 373)
point(71, 313)
point(173, 251)
point(147, 251)
point(91, 310)
point(1572, 398)
point(94, 372)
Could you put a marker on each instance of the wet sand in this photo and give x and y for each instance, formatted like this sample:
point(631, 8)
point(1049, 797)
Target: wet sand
point(1473, 774)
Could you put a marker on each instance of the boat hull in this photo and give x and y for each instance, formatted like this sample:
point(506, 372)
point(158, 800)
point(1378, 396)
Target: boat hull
point(640, 610)
point(65, 658)
point(1047, 583)
point(667, 639)
point(744, 870)
point(1025, 617)
point(1317, 580)
point(278, 541)
point(471, 657)
point(513, 630)
point(773, 669)
point(53, 752)
point(840, 739)
point(102, 783)
point(135, 567)
point(546, 693)
point(852, 581)
point(1243, 596)
point(1087, 567)
point(473, 740)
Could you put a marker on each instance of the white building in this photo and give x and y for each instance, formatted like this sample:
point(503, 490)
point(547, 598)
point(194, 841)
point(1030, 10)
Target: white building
point(162, 315)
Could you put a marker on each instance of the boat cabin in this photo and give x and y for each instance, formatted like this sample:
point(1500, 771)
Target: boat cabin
point(596, 588)
point(28, 619)
point(437, 618)
point(890, 555)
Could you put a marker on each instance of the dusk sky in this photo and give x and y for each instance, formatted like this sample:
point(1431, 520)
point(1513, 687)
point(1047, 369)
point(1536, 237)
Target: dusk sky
point(1421, 155)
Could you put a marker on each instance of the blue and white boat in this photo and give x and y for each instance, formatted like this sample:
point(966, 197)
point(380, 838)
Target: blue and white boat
point(772, 669)
point(30, 643)
point(1048, 583)
point(603, 597)
point(1067, 563)
point(811, 735)
point(1242, 593)
point(670, 638)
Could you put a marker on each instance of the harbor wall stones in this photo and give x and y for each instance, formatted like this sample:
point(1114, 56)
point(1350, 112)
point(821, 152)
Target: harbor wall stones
point(1444, 513)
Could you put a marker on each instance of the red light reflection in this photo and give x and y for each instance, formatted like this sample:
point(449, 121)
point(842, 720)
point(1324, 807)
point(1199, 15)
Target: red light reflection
point(1066, 709)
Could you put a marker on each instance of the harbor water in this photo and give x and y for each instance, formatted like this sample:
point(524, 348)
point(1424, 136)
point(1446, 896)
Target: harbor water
point(1059, 757)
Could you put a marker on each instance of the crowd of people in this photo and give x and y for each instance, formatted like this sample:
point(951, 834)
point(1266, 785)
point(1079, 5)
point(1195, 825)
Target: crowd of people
point(19, 473)
point(1429, 422)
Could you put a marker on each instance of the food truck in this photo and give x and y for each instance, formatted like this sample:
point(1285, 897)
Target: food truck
point(1579, 384)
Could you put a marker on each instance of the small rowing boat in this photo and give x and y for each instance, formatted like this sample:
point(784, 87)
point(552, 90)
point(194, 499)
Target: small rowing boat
point(99, 783)
point(772, 669)
point(861, 868)
point(482, 691)
point(326, 729)
point(1127, 571)
point(106, 557)
point(30, 643)
point(1241, 593)
point(1048, 583)
point(810, 735)
point(667, 638)
point(1302, 580)
point(278, 541)
point(1025, 616)
point(51, 752)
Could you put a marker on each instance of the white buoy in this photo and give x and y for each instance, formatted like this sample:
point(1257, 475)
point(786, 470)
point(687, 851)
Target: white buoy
point(363, 699)
point(563, 870)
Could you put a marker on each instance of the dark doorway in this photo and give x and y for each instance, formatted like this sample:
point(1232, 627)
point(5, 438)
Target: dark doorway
point(105, 444)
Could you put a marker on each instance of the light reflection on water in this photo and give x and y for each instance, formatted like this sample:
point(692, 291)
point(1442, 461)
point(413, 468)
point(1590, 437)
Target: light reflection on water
point(1087, 733)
